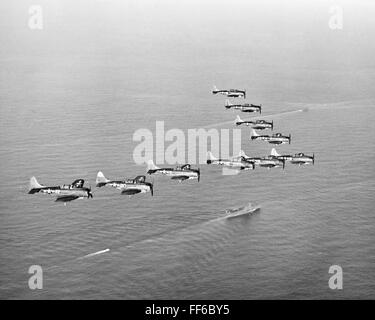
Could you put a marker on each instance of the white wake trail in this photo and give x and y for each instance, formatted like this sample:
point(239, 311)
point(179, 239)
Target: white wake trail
point(96, 253)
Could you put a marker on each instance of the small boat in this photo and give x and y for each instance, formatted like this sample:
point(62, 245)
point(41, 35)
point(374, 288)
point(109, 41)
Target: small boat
point(248, 209)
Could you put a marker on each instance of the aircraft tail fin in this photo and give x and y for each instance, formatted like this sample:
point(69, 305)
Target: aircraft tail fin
point(151, 166)
point(238, 120)
point(34, 185)
point(210, 157)
point(274, 153)
point(215, 88)
point(228, 104)
point(101, 180)
point(242, 154)
point(253, 133)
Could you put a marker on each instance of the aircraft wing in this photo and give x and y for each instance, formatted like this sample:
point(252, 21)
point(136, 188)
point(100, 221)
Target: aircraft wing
point(66, 198)
point(180, 177)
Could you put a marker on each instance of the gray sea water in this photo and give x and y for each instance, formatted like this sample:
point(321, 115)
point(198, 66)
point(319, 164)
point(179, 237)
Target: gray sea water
point(73, 94)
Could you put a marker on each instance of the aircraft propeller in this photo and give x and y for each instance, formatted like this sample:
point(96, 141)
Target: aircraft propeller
point(151, 184)
point(89, 194)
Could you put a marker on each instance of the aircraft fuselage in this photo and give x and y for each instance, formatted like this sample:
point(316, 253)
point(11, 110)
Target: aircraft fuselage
point(63, 191)
point(232, 93)
point(130, 187)
point(176, 174)
point(243, 165)
point(272, 139)
point(302, 160)
point(244, 108)
point(256, 125)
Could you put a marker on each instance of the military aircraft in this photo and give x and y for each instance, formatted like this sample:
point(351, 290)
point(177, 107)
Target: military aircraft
point(179, 173)
point(265, 162)
point(64, 193)
point(245, 107)
point(298, 158)
point(255, 124)
point(126, 186)
point(276, 138)
point(235, 162)
point(232, 93)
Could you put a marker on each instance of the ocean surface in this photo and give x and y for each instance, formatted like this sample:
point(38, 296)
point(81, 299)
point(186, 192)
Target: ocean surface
point(73, 94)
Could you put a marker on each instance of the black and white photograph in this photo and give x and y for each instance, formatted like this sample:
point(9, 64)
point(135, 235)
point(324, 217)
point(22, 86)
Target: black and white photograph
point(206, 150)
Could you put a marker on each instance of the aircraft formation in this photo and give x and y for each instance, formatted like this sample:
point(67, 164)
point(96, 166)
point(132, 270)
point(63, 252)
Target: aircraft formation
point(131, 186)
point(274, 159)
